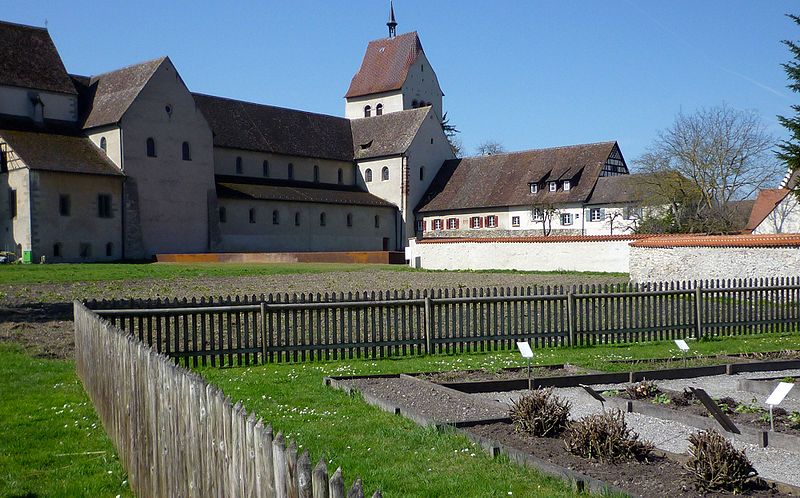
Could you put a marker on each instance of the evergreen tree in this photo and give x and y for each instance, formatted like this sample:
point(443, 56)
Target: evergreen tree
point(790, 149)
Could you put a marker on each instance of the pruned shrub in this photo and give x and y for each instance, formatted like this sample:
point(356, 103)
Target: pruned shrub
point(641, 390)
point(540, 413)
point(715, 465)
point(607, 438)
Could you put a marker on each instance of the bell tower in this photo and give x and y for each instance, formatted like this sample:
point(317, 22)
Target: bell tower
point(392, 24)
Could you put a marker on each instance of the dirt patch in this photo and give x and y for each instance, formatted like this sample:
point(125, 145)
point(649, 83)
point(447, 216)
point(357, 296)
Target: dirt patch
point(505, 374)
point(654, 479)
point(43, 307)
point(429, 400)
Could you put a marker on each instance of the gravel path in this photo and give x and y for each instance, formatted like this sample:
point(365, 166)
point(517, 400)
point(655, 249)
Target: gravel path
point(776, 464)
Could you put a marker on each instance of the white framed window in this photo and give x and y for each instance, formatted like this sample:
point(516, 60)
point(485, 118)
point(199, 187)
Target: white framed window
point(567, 185)
point(491, 221)
point(437, 224)
point(553, 186)
point(452, 223)
point(475, 222)
point(515, 221)
point(534, 188)
point(537, 214)
point(566, 219)
point(595, 214)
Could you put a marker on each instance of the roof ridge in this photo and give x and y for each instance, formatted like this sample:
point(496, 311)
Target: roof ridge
point(525, 151)
point(415, 33)
point(239, 101)
point(130, 66)
point(29, 26)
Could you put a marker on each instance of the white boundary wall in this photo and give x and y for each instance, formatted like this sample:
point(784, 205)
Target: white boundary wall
point(653, 264)
point(586, 255)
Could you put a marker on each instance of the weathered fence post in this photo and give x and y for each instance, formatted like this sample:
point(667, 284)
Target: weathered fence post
point(279, 465)
point(319, 480)
point(428, 325)
point(264, 344)
point(698, 311)
point(304, 476)
point(336, 484)
point(571, 317)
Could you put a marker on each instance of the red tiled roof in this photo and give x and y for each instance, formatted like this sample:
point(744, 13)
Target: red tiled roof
point(768, 240)
point(553, 239)
point(385, 65)
point(766, 202)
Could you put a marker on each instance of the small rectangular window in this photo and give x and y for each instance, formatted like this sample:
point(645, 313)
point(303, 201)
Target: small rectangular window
point(104, 206)
point(452, 223)
point(566, 219)
point(437, 224)
point(595, 214)
point(12, 203)
point(515, 221)
point(491, 221)
point(553, 186)
point(567, 185)
point(64, 205)
point(420, 226)
point(475, 222)
point(534, 188)
point(252, 215)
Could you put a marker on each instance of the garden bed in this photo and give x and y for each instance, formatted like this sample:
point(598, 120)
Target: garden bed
point(538, 371)
point(766, 386)
point(639, 479)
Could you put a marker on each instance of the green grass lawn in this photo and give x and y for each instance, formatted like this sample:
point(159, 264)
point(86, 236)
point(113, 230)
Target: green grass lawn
point(396, 455)
point(51, 441)
point(65, 273)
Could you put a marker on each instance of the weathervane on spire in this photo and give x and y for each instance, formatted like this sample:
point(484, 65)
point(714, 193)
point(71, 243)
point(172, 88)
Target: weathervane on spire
point(392, 23)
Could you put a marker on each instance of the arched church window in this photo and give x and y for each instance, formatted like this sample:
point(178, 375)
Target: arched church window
point(368, 175)
point(379, 110)
point(322, 219)
point(414, 104)
point(265, 168)
point(151, 147)
point(239, 166)
point(385, 174)
point(186, 152)
point(103, 144)
point(349, 219)
point(316, 174)
point(367, 111)
point(291, 171)
point(340, 176)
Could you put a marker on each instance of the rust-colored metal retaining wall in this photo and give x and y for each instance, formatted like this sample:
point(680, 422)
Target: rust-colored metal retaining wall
point(362, 257)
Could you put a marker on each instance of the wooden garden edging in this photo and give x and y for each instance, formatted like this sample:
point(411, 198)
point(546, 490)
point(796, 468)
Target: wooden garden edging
point(280, 327)
point(178, 435)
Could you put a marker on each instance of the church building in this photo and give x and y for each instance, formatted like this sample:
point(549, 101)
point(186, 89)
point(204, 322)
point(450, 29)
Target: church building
point(131, 163)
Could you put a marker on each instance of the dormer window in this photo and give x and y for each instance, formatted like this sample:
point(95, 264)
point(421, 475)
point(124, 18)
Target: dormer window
point(534, 188)
point(367, 111)
point(553, 186)
point(567, 185)
point(379, 110)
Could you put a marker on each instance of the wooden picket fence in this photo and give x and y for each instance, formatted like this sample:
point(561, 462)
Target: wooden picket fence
point(177, 435)
point(281, 328)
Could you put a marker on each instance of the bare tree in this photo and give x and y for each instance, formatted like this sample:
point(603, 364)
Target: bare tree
point(706, 161)
point(451, 131)
point(544, 214)
point(490, 148)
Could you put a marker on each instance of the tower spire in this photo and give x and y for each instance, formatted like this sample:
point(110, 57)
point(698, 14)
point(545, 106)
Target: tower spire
point(392, 23)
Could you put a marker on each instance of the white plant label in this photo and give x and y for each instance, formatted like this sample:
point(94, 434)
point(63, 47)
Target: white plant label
point(682, 345)
point(779, 393)
point(525, 349)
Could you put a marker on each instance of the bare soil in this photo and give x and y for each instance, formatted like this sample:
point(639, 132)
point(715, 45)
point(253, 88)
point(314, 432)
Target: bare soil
point(505, 374)
point(429, 400)
point(659, 478)
point(39, 316)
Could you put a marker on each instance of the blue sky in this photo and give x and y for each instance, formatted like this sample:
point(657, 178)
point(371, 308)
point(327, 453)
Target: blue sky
point(525, 73)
